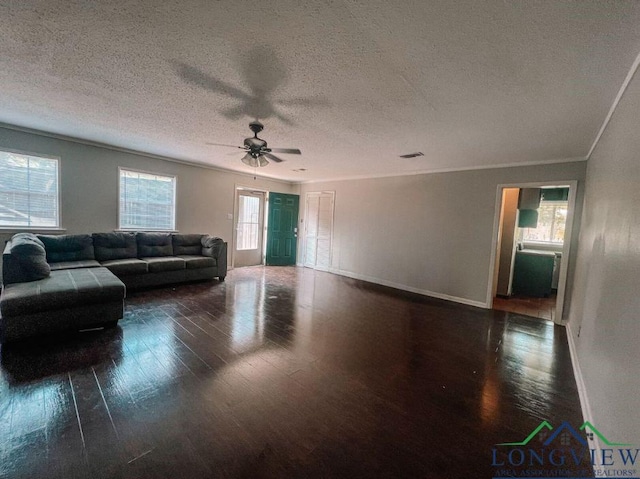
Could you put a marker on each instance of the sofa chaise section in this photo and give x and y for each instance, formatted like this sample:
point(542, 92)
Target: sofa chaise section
point(33, 303)
point(70, 299)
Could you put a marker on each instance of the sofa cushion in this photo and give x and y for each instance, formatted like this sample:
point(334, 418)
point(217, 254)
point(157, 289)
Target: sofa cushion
point(197, 261)
point(62, 289)
point(154, 244)
point(86, 263)
point(187, 244)
point(159, 264)
point(68, 247)
point(126, 266)
point(110, 246)
point(211, 245)
point(24, 259)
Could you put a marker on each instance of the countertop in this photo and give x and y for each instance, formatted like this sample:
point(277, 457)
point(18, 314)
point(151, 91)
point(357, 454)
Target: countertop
point(536, 252)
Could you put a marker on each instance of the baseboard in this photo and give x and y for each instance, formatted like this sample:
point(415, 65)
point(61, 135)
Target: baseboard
point(577, 372)
point(316, 268)
point(403, 287)
point(585, 405)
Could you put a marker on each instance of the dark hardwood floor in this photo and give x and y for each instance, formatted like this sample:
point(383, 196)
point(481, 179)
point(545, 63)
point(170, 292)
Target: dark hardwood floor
point(283, 372)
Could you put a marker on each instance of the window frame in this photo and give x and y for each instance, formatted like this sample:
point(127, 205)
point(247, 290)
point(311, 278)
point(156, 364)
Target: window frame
point(58, 225)
point(175, 200)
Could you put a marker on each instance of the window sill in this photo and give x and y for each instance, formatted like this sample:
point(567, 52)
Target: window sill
point(543, 246)
point(6, 230)
point(542, 243)
point(134, 230)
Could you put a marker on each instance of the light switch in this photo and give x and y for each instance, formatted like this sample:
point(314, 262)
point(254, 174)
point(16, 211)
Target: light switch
point(229, 216)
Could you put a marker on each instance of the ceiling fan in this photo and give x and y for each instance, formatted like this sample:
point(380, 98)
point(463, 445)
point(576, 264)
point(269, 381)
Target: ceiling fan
point(257, 150)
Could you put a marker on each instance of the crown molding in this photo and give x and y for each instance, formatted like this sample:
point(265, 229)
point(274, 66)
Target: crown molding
point(614, 106)
point(449, 170)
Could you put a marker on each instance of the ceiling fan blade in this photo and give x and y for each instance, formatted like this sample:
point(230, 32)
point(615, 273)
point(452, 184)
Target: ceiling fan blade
point(273, 157)
point(222, 144)
point(310, 101)
point(291, 151)
point(199, 78)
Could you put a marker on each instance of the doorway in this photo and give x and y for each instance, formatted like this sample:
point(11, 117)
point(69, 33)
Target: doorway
point(531, 249)
point(249, 228)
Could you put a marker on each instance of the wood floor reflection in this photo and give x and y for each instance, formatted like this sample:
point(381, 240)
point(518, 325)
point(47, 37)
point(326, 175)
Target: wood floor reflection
point(283, 372)
point(542, 308)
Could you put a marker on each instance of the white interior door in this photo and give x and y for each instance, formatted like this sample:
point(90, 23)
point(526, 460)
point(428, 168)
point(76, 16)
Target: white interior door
point(249, 228)
point(318, 229)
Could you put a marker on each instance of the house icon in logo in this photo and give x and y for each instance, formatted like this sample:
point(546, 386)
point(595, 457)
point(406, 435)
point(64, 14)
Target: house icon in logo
point(565, 431)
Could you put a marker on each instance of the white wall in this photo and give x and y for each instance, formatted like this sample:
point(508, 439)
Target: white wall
point(605, 313)
point(426, 233)
point(89, 186)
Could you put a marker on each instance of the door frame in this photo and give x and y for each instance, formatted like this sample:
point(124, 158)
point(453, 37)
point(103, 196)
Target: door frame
point(234, 232)
point(566, 248)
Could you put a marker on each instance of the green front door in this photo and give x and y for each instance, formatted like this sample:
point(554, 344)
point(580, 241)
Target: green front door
point(282, 231)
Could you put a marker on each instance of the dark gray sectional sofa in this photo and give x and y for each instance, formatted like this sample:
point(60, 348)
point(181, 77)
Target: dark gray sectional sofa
point(56, 283)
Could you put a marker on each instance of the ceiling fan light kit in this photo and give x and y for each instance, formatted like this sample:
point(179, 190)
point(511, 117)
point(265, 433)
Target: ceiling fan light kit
point(254, 161)
point(257, 149)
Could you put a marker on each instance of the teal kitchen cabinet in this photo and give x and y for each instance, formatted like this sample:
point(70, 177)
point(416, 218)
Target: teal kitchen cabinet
point(533, 273)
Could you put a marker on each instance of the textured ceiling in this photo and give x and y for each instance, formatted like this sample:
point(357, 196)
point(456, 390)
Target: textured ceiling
point(353, 83)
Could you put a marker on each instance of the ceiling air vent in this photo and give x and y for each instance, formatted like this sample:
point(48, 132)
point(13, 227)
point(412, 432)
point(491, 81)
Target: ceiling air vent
point(412, 155)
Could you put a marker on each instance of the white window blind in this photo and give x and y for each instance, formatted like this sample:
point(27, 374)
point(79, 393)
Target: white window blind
point(28, 191)
point(147, 201)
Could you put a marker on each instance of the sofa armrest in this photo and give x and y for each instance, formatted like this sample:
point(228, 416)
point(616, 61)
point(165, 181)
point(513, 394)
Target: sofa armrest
point(24, 260)
point(216, 248)
point(222, 261)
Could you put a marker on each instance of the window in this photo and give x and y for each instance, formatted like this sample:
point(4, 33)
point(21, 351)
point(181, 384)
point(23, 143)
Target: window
point(28, 191)
point(552, 216)
point(147, 201)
